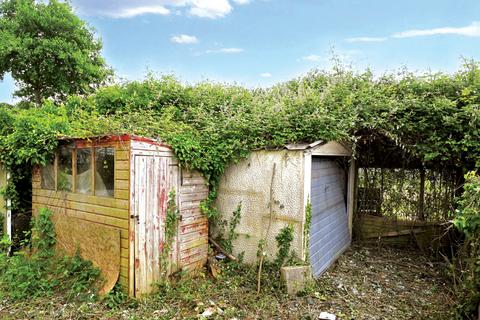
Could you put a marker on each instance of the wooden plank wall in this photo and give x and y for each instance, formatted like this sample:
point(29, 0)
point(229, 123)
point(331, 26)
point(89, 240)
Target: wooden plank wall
point(398, 232)
point(193, 233)
point(112, 212)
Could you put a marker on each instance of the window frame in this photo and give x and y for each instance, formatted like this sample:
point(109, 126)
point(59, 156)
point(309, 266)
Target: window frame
point(94, 163)
point(57, 167)
point(55, 159)
point(93, 148)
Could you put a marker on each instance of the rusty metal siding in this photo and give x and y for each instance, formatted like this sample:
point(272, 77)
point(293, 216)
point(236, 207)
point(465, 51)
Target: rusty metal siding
point(193, 233)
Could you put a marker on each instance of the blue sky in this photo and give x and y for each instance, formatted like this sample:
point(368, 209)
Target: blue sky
point(262, 42)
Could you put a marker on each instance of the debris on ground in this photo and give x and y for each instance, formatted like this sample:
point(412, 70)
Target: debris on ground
point(367, 282)
point(386, 283)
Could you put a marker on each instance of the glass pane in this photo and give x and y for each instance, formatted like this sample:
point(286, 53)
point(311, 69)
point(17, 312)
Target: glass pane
point(65, 169)
point(83, 180)
point(47, 175)
point(104, 171)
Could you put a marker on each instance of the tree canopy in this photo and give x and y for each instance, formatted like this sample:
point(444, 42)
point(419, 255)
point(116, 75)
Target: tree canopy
point(49, 51)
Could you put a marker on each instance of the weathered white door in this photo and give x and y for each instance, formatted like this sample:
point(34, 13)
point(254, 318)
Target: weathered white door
point(329, 232)
point(154, 178)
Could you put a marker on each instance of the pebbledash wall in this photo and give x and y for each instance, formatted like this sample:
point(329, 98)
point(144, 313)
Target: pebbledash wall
point(249, 182)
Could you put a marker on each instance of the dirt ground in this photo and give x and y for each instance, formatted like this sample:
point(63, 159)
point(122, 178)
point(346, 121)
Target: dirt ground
point(367, 282)
point(371, 282)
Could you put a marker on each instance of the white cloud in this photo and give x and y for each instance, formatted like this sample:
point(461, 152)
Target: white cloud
point(184, 39)
point(266, 75)
point(472, 30)
point(226, 50)
point(212, 9)
point(366, 39)
point(312, 57)
point(137, 11)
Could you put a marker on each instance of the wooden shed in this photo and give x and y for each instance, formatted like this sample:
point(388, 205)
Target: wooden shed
point(109, 197)
point(319, 175)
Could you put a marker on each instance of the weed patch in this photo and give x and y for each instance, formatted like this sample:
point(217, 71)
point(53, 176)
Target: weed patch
point(39, 272)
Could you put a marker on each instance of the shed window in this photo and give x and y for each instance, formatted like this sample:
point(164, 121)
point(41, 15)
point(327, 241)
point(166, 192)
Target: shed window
point(47, 175)
point(65, 165)
point(104, 171)
point(83, 179)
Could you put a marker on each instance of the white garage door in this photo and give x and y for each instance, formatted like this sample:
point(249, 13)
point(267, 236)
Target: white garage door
point(329, 234)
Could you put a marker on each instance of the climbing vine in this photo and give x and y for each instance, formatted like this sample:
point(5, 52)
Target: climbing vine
point(284, 242)
point(232, 234)
point(306, 230)
point(172, 217)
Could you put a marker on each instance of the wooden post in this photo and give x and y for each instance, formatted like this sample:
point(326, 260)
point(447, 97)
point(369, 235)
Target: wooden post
point(421, 202)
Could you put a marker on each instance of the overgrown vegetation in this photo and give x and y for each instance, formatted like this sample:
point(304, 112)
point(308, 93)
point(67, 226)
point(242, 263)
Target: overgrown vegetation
point(366, 283)
point(231, 234)
point(284, 242)
point(306, 230)
point(172, 217)
point(433, 116)
point(40, 272)
point(466, 267)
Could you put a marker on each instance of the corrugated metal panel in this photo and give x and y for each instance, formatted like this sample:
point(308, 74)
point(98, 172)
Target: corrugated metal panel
point(329, 233)
point(154, 178)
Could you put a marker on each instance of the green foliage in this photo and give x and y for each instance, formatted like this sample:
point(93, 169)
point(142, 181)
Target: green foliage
point(5, 243)
point(467, 270)
point(468, 213)
point(44, 233)
point(42, 273)
point(209, 126)
point(284, 242)
point(115, 298)
point(232, 235)
point(171, 226)
point(49, 51)
point(306, 230)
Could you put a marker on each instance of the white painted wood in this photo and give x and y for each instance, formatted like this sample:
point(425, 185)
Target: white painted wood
point(9, 214)
point(155, 177)
point(148, 146)
point(331, 148)
point(132, 230)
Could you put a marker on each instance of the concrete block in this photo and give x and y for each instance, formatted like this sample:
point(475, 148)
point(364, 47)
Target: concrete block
point(296, 278)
